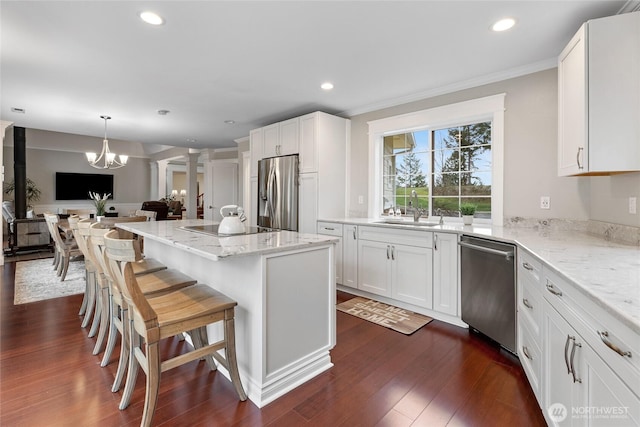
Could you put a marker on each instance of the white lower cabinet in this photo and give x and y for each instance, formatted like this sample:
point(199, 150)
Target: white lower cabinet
point(582, 380)
point(332, 229)
point(396, 264)
point(445, 273)
point(350, 255)
point(580, 389)
point(374, 269)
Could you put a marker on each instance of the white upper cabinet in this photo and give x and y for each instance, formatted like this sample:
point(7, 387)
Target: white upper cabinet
point(256, 138)
point(599, 98)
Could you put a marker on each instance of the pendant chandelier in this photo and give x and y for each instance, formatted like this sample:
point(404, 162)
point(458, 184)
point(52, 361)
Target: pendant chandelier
point(109, 158)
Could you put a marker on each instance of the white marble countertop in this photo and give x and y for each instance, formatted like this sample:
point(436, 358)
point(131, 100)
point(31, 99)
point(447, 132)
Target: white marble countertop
point(606, 272)
point(219, 248)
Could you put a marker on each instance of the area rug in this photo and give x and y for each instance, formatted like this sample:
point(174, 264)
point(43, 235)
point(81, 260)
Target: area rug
point(398, 319)
point(37, 280)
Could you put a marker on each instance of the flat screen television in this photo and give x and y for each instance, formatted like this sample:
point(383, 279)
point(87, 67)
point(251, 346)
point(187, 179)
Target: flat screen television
point(76, 186)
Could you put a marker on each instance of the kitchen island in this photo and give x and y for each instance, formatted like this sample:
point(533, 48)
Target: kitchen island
point(283, 283)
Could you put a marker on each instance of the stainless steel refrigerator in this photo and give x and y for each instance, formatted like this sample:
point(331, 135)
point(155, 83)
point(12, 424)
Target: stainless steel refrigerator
point(278, 193)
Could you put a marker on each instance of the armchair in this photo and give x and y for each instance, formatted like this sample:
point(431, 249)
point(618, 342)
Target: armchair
point(161, 208)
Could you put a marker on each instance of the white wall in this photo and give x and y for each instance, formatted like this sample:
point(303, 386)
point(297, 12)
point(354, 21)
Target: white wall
point(530, 156)
point(131, 183)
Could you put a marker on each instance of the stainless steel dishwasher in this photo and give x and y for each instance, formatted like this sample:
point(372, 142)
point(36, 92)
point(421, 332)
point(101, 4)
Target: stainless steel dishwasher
point(488, 288)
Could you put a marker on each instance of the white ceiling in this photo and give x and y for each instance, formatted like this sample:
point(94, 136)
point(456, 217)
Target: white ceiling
point(67, 63)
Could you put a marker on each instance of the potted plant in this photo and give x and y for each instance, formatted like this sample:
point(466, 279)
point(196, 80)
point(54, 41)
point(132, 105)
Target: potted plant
point(100, 202)
point(467, 210)
point(33, 194)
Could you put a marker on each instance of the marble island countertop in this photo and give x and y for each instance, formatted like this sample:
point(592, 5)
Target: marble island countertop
point(606, 272)
point(219, 248)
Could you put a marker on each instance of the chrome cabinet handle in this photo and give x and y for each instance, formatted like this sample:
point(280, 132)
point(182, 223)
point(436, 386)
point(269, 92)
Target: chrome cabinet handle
point(604, 336)
point(525, 351)
point(566, 353)
point(329, 228)
point(388, 251)
point(551, 288)
point(527, 266)
point(354, 233)
point(527, 303)
point(578, 158)
point(573, 355)
point(393, 253)
point(435, 242)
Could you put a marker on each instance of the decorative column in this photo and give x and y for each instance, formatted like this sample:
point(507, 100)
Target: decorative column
point(162, 179)
point(192, 184)
point(153, 172)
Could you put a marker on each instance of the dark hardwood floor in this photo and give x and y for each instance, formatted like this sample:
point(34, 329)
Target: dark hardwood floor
point(441, 375)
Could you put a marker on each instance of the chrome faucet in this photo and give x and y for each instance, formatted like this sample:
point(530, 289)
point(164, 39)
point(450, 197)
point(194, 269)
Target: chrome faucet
point(417, 212)
point(439, 212)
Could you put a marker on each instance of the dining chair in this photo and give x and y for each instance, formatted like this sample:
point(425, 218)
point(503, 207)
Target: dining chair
point(90, 272)
point(154, 279)
point(152, 319)
point(151, 215)
point(65, 250)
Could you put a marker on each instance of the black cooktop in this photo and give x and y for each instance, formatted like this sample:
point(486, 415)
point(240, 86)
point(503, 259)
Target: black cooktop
point(212, 229)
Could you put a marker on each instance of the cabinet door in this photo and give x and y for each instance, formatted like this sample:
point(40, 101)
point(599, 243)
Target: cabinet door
point(374, 260)
point(308, 143)
point(614, 93)
point(271, 137)
point(308, 203)
point(289, 137)
point(572, 107)
point(255, 146)
point(530, 357)
point(252, 209)
point(604, 392)
point(350, 256)
point(445, 273)
point(559, 394)
point(411, 275)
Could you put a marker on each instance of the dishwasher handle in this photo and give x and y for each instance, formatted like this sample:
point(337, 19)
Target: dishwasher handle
point(507, 254)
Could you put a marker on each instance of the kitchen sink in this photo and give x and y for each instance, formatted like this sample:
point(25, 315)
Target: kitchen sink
point(406, 222)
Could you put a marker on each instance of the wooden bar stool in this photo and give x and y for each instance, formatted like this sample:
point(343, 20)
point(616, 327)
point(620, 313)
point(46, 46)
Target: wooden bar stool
point(189, 310)
point(64, 250)
point(154, 279)
point(90, 272)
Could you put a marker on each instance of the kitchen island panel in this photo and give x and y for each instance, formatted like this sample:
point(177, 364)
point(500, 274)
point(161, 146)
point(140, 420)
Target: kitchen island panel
point(279, 295)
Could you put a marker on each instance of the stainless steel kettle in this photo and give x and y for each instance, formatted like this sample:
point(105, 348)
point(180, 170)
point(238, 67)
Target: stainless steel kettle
point(232, 220)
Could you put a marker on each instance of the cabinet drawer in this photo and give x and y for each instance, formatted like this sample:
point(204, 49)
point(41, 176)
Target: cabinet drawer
point(330, 228)
point(530, 303)
point(529, 267)
point(531, 358)
point(598, 328)
point(418, 238)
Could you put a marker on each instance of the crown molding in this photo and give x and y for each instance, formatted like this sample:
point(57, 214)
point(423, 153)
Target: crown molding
point(630, 6)
point(455, 87)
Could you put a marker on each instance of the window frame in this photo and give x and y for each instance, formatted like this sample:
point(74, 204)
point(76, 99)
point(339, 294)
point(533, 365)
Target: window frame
point(490, 108)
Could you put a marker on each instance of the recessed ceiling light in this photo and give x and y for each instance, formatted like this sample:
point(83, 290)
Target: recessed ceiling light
point(163, 112)
point(230, 122)
point(327, 86)
point(151, 18)
point(191, 140)
point(503, 24)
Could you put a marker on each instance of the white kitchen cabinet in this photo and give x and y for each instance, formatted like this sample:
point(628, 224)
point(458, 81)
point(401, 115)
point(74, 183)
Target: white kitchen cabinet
point(411, 275)
point(281, 139)
point(374, 269)
point(307, 202)
point(445, 273)
point(333, 229)
point(529, 319)
point(396, 264)
point(256, 139)
point(599, 98)
point(252, 208)
point(323, 139)
point(350, 255)
point(577, 378)
point(597, 385)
